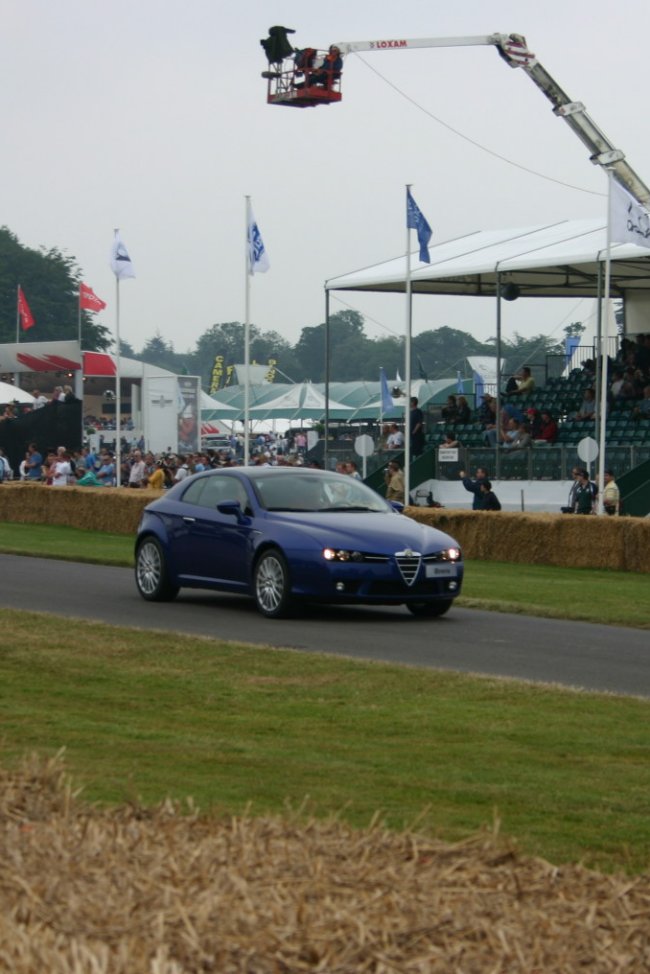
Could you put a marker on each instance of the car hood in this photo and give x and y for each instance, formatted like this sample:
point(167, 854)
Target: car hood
point(367, 532)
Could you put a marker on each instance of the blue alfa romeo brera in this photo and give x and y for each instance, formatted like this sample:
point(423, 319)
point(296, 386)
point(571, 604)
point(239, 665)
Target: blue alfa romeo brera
point(286, 535)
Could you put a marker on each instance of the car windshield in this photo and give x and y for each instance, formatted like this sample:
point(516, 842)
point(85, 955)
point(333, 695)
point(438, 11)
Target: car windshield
point(320, 492)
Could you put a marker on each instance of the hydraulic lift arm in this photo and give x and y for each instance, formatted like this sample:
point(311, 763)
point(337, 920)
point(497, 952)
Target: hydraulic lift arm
point(514, 50)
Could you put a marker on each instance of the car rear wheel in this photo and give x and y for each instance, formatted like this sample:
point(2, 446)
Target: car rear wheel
point(429, 609)
point(272, 585)
point(152, 574)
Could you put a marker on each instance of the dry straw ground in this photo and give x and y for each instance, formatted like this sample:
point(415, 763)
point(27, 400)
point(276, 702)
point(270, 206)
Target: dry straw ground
point(131, 890)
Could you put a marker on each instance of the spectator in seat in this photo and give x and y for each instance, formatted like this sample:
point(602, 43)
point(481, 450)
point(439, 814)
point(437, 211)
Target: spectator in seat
point(526, 383)
point(642, 411)
point(449, 411)
point(463, 412)
point(587, 408)
point(547, 428)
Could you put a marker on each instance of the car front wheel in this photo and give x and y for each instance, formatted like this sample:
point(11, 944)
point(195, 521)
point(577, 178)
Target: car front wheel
point(152, 574)
point(272, 585)
point(429, 610)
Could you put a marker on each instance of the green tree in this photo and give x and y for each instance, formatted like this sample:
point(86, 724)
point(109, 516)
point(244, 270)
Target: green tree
point(50, 282)
point(348, 345)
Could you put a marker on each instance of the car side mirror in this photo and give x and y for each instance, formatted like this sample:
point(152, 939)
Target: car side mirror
point(233, 508)
point(397, 506)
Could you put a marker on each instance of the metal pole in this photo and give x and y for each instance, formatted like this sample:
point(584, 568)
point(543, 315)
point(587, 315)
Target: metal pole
point(407, 364)
point(497, 460)
point(327, 380)
point(604, 349)
point(247, 338)
point(118, 389)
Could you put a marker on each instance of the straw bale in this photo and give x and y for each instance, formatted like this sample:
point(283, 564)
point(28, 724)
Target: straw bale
point(116, 510)
point(615, 543)
point(85, 890)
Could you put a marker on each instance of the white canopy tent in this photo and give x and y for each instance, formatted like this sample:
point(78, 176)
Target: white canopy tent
point(563, 259)
point(9, 393)
point(302, 401)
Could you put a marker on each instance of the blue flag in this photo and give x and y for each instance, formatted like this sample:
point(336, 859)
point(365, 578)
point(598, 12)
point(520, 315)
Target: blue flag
point(386, 399)
point(415, 221)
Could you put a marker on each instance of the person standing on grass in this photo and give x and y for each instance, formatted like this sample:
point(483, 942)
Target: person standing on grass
point(611, 495)
point(489, 498)
point(474, 486)
point(584, 495)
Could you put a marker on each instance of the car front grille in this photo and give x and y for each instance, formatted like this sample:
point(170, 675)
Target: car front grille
point(408, 563)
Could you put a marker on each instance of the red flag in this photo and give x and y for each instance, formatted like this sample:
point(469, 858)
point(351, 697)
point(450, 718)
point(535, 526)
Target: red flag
point(89, 300)
point(26, 317)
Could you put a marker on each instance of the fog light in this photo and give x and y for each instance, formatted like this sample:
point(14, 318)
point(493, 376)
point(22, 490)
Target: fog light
point(340, 586)
point(453, 586)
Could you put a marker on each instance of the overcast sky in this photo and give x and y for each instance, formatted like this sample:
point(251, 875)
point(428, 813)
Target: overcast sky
point(152, 117)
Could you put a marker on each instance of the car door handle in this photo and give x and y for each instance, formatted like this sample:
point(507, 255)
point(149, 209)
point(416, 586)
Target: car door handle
point(189, 520)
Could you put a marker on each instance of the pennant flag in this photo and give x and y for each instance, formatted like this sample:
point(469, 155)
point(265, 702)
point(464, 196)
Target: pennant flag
point(25, 315)
point(257, 257)
point(415, 221)
point(630, 220)
point(120, 261)
point(88, 300)
point(386, 399)
point(398, 378)
point(459, 384)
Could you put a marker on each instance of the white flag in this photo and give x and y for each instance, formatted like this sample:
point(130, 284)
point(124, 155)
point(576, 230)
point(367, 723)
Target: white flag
point(257, 257)
point(120, 261)
point(630, 220)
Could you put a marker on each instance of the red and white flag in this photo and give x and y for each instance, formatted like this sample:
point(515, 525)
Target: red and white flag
point(88, 300)
point(25, 315)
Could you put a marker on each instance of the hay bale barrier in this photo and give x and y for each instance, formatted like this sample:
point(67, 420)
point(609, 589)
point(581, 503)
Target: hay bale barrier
point(565, 540)
point(569, 541)
point(129, 890)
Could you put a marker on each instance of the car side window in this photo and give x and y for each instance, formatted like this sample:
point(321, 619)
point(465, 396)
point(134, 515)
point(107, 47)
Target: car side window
point(210, 491)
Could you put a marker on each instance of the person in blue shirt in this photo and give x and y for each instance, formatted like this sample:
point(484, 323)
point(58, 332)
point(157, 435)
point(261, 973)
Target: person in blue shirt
point(34, 463)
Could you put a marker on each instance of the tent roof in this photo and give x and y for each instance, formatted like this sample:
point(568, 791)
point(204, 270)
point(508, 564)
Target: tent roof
point(548, 260)
point(10, 393)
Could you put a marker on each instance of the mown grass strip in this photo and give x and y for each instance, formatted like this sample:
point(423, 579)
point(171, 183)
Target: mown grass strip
point(146, 715)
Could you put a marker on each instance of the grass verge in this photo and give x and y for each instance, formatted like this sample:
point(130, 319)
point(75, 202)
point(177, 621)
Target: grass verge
point(145, 715)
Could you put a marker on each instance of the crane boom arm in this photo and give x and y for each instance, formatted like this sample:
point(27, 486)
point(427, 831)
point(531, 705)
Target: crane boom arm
point(513, 49)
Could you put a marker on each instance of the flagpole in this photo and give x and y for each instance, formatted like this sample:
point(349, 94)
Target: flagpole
point(407, 364)
point(247, 335)
point(79, 317)
point(118, 389)
point(604, 347)
point(17, 374)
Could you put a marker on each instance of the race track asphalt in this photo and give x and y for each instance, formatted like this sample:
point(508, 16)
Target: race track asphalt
point(576, 654)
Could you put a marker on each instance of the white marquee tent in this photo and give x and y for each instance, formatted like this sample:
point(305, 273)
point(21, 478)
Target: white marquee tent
point(564, 259)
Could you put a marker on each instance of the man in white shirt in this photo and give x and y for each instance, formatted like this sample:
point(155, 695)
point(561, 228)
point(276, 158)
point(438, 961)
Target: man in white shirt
point(138, 471)
point(395, 439)
point(39, 399)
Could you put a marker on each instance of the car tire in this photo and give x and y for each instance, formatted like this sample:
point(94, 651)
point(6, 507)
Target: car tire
point(430, 610)
point(152, 573)
point(272, 585)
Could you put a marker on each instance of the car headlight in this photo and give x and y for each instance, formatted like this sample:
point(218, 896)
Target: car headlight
point(341, 554)
point(451, 554)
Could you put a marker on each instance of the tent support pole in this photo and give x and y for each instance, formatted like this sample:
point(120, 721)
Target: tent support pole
point(327, 379)
point(497, 458)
